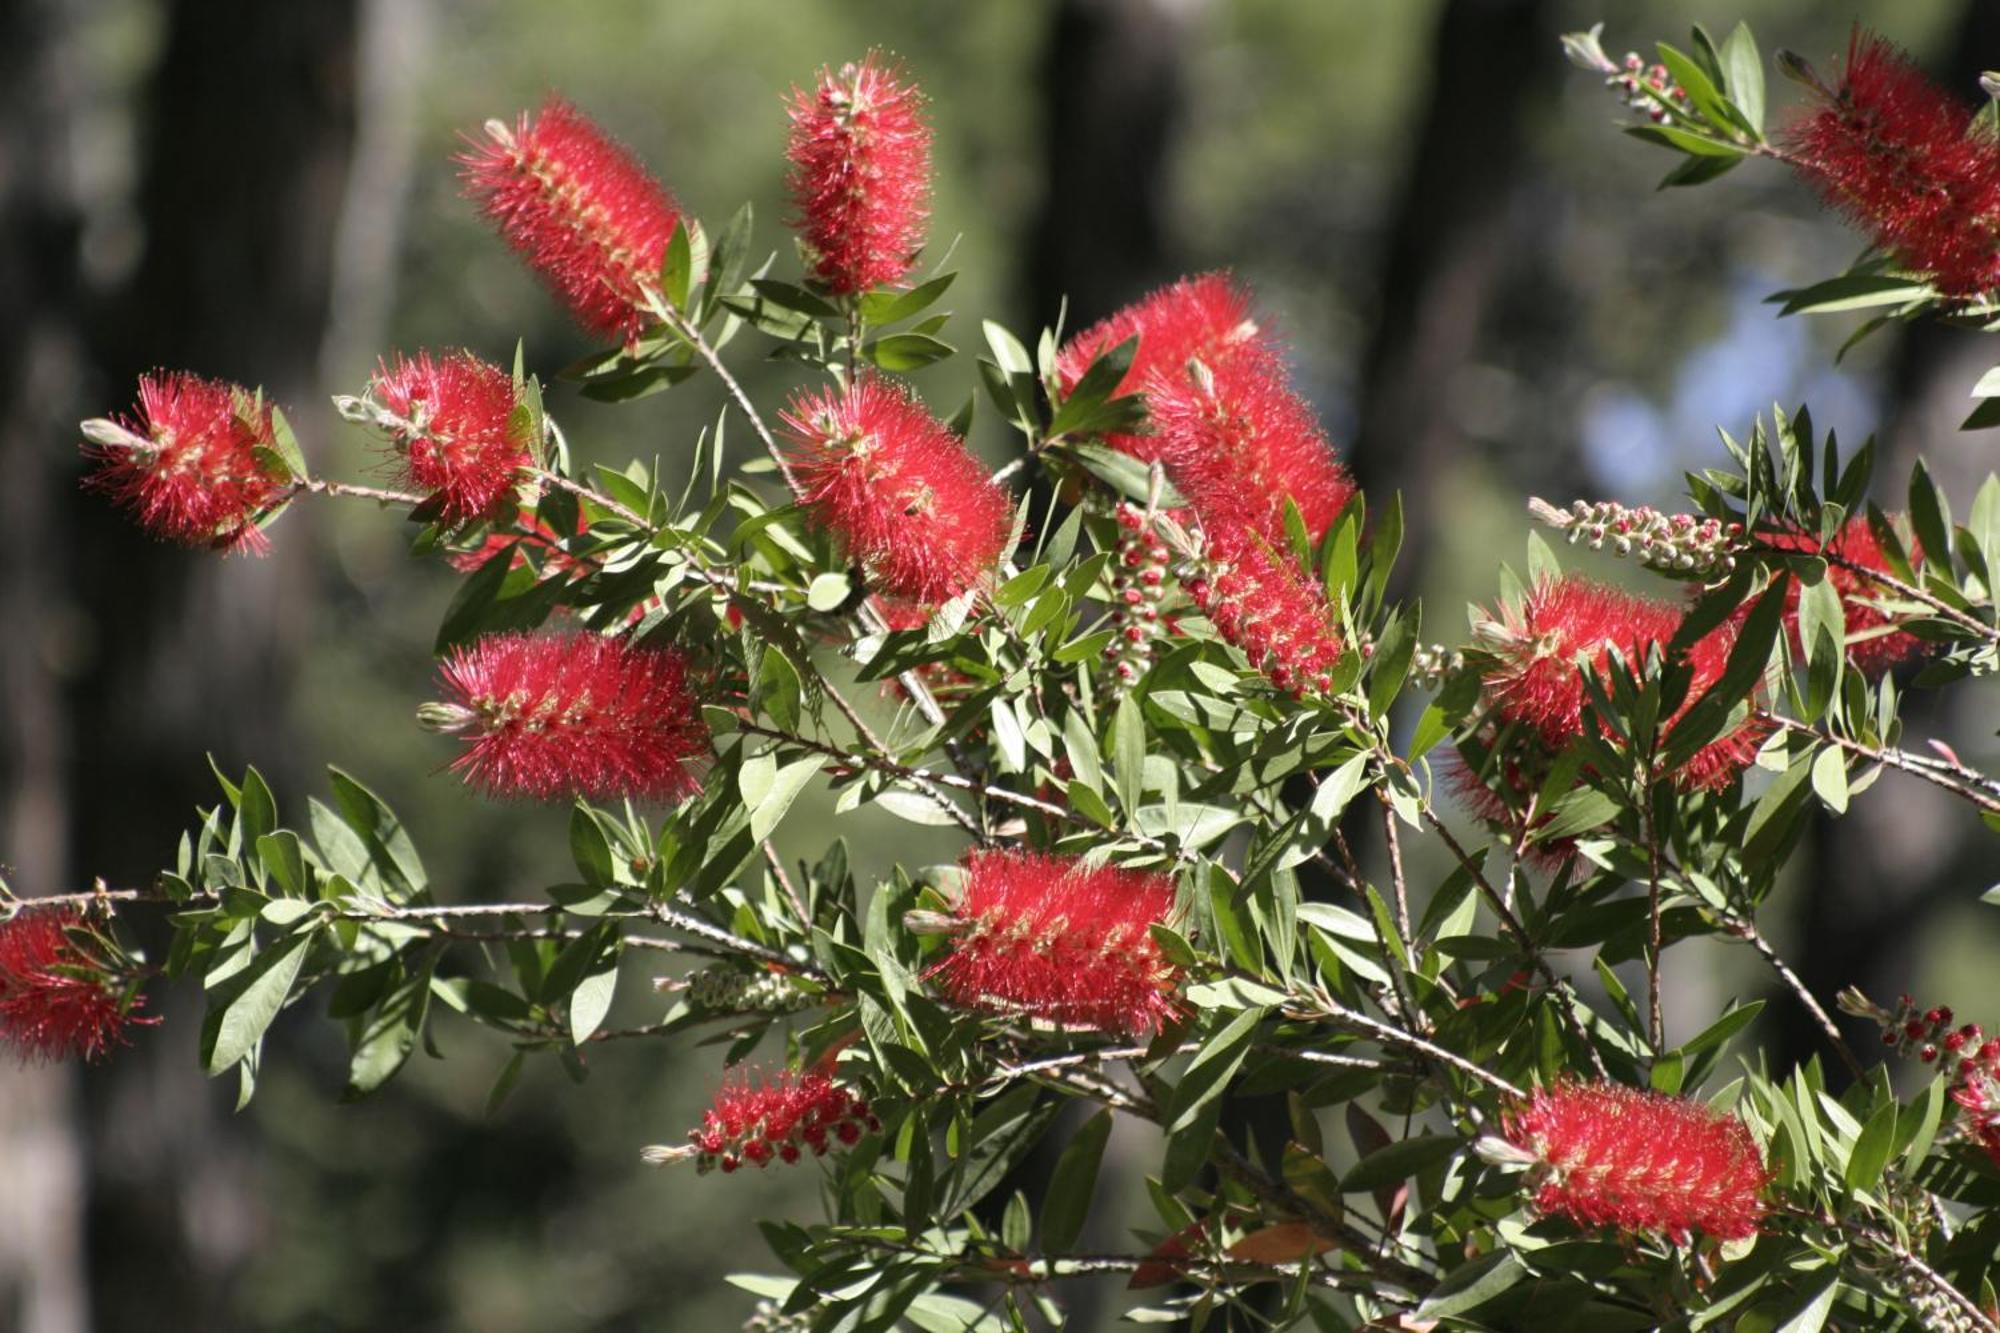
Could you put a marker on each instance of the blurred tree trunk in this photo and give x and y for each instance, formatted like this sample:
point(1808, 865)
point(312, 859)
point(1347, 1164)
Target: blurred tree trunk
point(245, 132)
point(1114, 72)
point(43, 1288)
point(1885, 868)
point(1449, 243)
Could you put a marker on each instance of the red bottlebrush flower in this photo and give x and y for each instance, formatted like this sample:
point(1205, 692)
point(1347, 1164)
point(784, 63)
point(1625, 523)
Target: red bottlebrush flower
point(1259, 600)
point(1873, 644)
point(457, 438)
point(554, 715)
point(1205, 317)
point(579, 208)
point(1892, 151)
point(778, 1119)
point(56, 998)
point(1641, 1162)
point(187, 466)
point(1235, 438)
point(904, 496)
point(1044, 935)
point(1238, 442)
point(1570, 622)
point(861, 175)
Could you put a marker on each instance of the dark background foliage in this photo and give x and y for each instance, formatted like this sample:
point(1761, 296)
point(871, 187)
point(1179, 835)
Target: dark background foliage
point(1483, 293)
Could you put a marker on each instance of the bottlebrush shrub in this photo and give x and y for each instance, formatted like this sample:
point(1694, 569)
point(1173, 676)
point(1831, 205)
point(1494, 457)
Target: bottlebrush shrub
point(1197, 760)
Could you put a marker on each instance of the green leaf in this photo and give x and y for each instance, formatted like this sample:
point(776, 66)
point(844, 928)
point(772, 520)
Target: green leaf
point(1929, 515)
point(1473, 1284)
point(1872, 1148)
point(590, 1002)
point(242, 1007)
point(1852, 291)
point(1207, 1077)
point(391, 854)
point(1829, 778)
point(1398, 1162)
point(1812, 1316)
point(1128, 745)
point(1067, 1205)
point(888, 307)
point(386, 1039)
point(905, 351)
point(1743, 75)
point(590, 848)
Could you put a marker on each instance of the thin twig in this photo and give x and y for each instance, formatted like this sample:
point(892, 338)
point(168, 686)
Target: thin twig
point(1956, 779)
point(1746, 930)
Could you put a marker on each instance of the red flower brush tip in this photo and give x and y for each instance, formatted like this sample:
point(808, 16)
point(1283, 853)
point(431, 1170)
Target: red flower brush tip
point(1238, 442)
point(1205, 317)
point(861, 174)
point(1874, 645)
point(454, 434)
point(552, 716)
point(778, 1119)
point(902, 494)
point(57, 999)
point(579, 208)
point(1640, 1162)
point(1892, 151)
point(1046, 936)
point(186, 463)
point(1258, 599)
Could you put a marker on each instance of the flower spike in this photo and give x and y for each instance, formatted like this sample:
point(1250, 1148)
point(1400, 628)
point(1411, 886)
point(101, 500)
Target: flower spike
point(550, 716)
point(861, 174)
point(904, 496)
point(1049, 937)
point(195, 463)
point(579, 208)
point(1642, 1163)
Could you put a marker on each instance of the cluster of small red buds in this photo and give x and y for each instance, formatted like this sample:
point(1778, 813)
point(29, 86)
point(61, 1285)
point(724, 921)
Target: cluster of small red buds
point(1670, 543)
point(1644, 85)
point(1139, 584)
point(779, 1119)
point(1930, 1036)
point(1647, 88)
point(725, 989)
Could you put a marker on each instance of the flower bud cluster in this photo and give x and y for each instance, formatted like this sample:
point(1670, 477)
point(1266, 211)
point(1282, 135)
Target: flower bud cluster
point(1964, 1052)
point(1432, 663)
point(730, 990)
point(780, 1119)
point(1138, 586)
point(1643, 87)
point(770, 1317)
point(1670, 543)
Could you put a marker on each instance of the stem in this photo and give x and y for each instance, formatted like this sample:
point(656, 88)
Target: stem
point(596, 497)
point(321, 486)
point(1954, 778)
point(1324, 1005)
point(1746, 930)
point(1397, 881)
point(1655, 1019)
